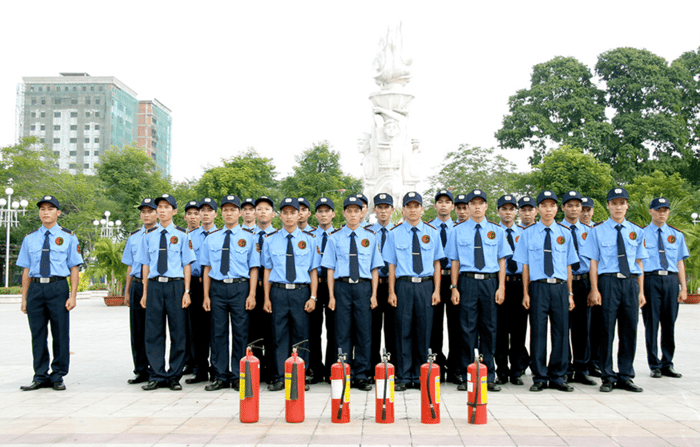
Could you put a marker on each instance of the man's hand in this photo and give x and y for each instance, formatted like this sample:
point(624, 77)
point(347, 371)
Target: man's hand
point(393, 301)
point(455, 296)
point(206, 304)
point(186, 300)
point(250, 302)
point(526, 301)
point(23, 307)
point(682, 296)
point(500, 295)
point(571, 303)
point(642, 300)
point(331, 302)
point(126, 296)
point(143, 301)
point(70, 303)
point(310, 305)
point(436, 298)
point(373, 302)
point(267, 306)
point(594, 298)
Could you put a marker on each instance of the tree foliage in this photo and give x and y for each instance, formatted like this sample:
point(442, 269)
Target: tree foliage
point(248, 174)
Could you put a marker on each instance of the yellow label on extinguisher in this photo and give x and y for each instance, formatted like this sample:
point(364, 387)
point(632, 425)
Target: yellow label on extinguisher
point(242, 385)
point(484, 388)
point(437, 389)
point(287, 386)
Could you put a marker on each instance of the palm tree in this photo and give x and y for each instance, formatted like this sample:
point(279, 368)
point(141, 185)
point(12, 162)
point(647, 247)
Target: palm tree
point(108, 255)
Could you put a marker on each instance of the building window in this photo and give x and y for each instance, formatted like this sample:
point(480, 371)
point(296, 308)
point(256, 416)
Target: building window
point(43, 114)
point(33, 114)
point(87, 100)
point(97, 140)
point(32, 127)
point(43, 127)
point(41, 89)
point(57, 153)
point(96, 153)
point(43, 101)
point(84, 88)
point(75, 89)
point(87, 114)
point(100, 88)
point(73, 153)
point(87, 127)
point(97, 127)
point(31, 88)
point(87, 165)
point(74, 101)
point(74, 127)
point(74, 140)
point(74, 114)
point(56, 114)
point(33, 101)
point(43, 140)
point(56, 140)
point(97, 114)
point(57, 101)
point(92, 88)
point(87, 153)
point(72, 166)
point(57, 127)
point(97, 100)
point(87, 141)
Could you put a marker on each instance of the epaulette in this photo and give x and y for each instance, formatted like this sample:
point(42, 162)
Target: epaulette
point(430, 226)
point(584, 224)
point(367, 227)
point(521, 227)
point(219, 229)
point(335, 231)
point(244, 229)
point(525, 228)
point(498, 225)
point(675, 228)
point(31, 232)
point(458, 223)
point(151, 229)
point(564, 226)
point(270, 234)
point(309, 233)
point(134, 232)
point(312, 228)
point(66, 230)
point(371, 231)
point(599, 223)
point(635, 224)
point(397, 225)
point(181, 229)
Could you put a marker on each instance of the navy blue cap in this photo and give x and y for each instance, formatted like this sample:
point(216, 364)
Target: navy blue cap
point(49, 199)
point(265, 199)
point(303, 201)
point(571, 195)
point(506, 199)
point(149, 203)
point(618, 193)
point(587, 202)
point(412, 197)
point(233, 200)
point(476, 193)
point(383, 198)
point(208, 201)
point(526, 201)
point(352, 200)
point(461, 198)
point(363, 198)
point(191, 204)
point(168, 198)
point(324, 201)
point(248, 201)
point(290, 201)
point(659, 202)
point(446, 193)
point(546, 195)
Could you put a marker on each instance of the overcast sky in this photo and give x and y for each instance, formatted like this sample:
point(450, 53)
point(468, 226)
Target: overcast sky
point(280, 76)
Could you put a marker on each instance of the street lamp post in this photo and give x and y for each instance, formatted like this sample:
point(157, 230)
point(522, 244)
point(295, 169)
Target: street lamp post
point(106, 226)
point(8, 218)
point(333, 190)
point(695, 217)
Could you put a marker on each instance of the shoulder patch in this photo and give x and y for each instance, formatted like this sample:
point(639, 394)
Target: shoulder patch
point(270, 234)
point(66, 230)
point(312, 228)
point(634, 224)
point(521, 227)
point(491, 222)
point(585, 224)
point(568, 228)
point(244, 229)
point(181, 229)
point(367, 227)
point(309, 233)
point(150, 230)
point(335, 231)
point(675, 228)
point(395, 226)
point(368, 230)
point(529, 226)
point(219, 229)
point(458, 223)
point(31, 232)
point(134, 232)
point(430, 225)
point(599, 223)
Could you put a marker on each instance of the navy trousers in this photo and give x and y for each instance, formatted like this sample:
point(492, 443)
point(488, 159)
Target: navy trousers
point(511, 355)
point(165, 301)
point(353, 324)
point(549, 302)
point(477, 316)
point(661, 309)
point(260, 330)
point(383, 322)
point(137, 320)
point(200, 323)
point(580, 326)
point(228, 310)
point(437, 336)
point(620, 304)
point(290, 325)
point(414, 321)
point(320, 314)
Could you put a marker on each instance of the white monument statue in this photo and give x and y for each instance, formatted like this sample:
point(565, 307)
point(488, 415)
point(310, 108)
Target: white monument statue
point(390, 163)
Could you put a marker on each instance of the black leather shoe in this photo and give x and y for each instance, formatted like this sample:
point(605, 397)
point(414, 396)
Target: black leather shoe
point(276, 386)
point(607, 386)
point(216, 385)
point(187, 370)
point(456, 379)
point(494, 387)
point(517, 380)
point(35, 386)
point(561, 387)
point(175, 385)
point(670, 372)
point(501, 380)
point(197, 379)
point(583, 379)
point(151, 385)
point(464, 386)
point(58, 386)
point(538, 386)
point(139, 378)
point(656, 373)
point(595, 371)
point(307, 387)
point(235, 384)
point(400, 387)
point(363, 385)
point(629, 386)
point(569, 377)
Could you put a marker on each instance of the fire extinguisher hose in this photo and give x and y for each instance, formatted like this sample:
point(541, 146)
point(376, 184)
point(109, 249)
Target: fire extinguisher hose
point(342, 394)
point(476, 393)
point(386, 385)
point(428, 387)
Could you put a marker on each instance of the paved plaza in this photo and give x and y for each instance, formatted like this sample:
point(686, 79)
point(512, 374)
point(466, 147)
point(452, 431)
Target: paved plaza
point(100, 408)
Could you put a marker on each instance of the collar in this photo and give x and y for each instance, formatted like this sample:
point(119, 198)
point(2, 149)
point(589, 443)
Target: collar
point(45, 230)
point(407, 226)
point(295, 234)
point(472, 224)
point(170, 228)
point(437, 222)
point(541, 226)
point(625, 223)
point(234, 230)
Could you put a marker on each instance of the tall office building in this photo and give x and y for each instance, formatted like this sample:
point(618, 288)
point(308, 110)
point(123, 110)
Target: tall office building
point(80, 117)
point(154, 132)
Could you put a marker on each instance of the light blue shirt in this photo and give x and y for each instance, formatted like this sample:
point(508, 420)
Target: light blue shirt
point(516, 231)
point(131, 251)
point(460, 245)
point(337, 254)
point(64, 252)
point(449, 224)
point(179, 251)
point(582, 231)
point(398, 249)
point(253, 228)
point(377, 228)
point(530, 250)
point(198, 236)
point(601, 246)
point(318, 232)
point(674, 246)
point(307, 255)
point(242, 253)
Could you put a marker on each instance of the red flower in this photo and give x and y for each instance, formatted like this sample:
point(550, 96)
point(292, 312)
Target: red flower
point(241, 243)
point(425, 239)
point(59, 241)
point(302, 244)
point(671, 239)
point(633, 235)
point(561, 240)
point(491, 235)
point(365, 243)
point(173, 240)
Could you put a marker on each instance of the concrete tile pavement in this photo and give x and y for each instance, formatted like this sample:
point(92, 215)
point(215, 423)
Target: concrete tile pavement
point(99, 408)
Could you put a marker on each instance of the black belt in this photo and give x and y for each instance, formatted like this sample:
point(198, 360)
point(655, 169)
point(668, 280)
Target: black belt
point(551, 280)
point(581, 277)
point(165, 279)
point(479, 275)
point(231, 280)
point(196, 277)
point(618, 275)
point(137, 280)
point(289, 286)
point(384, 280)
point(661, 273)
point(351, 281)
point(446, 272)
point(48, 280)
point(514, 278)
point(416, 279)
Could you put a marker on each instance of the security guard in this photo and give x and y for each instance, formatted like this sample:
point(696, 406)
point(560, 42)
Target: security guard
point(413, 251)
point(664, 287)
point(383, 314)
point(596, 327)
point(511, 329)
point(304, 214)
point(248, 214)
point(461, 208)
point(365, 204)
point(193, 221)
point(290, 257)
point(587, 210)
point(546, 252)
point(352, 258)
point(134, 289)
point(477, 249)
point(230, 262)
point(325, 213)
point(444, 204)
point(166, 255)
point(580, 316)
point(527, 211)
point(616, 249)
point(47, 256)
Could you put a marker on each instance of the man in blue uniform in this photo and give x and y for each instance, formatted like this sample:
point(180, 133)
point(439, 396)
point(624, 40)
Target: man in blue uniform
point(664, 287)
point(461, 208)
point(248, 214)
point(527, 211)
point(166, 255)
point(48, 256)
point(580, 316)
point(304, 214)
point(230, 272)
point(546, 252)
point(290, 258)
point(615, 248)
point(383, 314)
point(413, 251)
point(477, 249)
point(134, 289)
point(511, 329)
point(352, 258)
point(586, 218)
point(193, 221)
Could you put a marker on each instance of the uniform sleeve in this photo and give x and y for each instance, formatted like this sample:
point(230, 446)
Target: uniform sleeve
point(315, 257)
point(266, 255)
point(377, 260)
point(682, 248)
point(74, 256)
point(143, 255)
point(503, 246)
point(521, 253)
point(253, 255)
point(451, 251)
point(329, 260)
point(590, 249)
point(186, 253)
point(389, 253)
point(127, 258)
point(438, 252)
point(23, 259)
point(204, 253)
point(641, 249)
point(572, 257)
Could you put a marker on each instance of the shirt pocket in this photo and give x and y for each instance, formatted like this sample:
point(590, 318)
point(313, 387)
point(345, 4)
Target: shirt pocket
point(215, 254)
point(241, 256)
point(59, 253)
point(535, 254)
point(608, 249)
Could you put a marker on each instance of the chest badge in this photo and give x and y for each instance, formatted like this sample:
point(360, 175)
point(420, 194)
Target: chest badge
point(174, 240)
point(584, 236)
point(190, 244)
point(671, 239)
point(365, 243)
point(491, 235)
point(59, 241)
point(302, 245)
point(425, 239)
point(241, 243)
point(633, 236)
point(561, 240)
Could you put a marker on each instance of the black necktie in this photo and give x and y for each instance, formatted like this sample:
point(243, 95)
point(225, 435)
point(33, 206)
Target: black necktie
point(324, 270)
point(417, 260)
point(354, 263)
point(478, 249)
point(622, 253)
point(163, 253)
point(225, 254)
point(385, 269)
point(45, 264)
point(576, 265)
point(511, 265)
point(443, 238)
point(662, 253)
point(548, 264)
point(261, 241)
point(291, 272)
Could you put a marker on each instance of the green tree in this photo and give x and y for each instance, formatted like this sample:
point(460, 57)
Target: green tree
point(248, 174)
point(685, 72)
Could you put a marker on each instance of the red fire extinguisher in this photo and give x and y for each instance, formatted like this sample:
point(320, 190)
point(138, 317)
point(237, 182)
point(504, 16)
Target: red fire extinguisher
point(384, 390)
point(250, 387)
point(477, 385)
point(340, 390)
point(430, 390)
point(294, 381)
